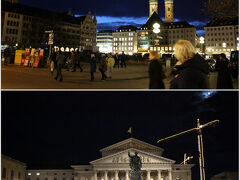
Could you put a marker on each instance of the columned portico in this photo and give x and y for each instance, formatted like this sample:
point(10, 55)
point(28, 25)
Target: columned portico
point(159, 175)
point(170, 174)
point(95, 175)
point(105, 175)
point(148, 175)
point(116, 175)
point(127, 175)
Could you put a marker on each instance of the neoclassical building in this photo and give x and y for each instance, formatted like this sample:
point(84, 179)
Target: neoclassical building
point(114, 165)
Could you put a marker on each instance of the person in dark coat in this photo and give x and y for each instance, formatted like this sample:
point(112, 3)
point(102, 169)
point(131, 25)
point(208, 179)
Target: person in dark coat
point(103, 66)
point(73, 57)
point(224, 80)
point(123, 60)
point(78, 59)
point(156, 72)
point(93, 66)
point(116, 58)
point(7, 55)
point(60, 63)
point(191, 71)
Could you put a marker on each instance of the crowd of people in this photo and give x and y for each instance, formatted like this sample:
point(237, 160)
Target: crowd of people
point(191, 70)
point(106, 63)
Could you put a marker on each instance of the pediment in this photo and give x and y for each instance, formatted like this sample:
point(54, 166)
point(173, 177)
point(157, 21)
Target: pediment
point(122, 158)
point(131, 143)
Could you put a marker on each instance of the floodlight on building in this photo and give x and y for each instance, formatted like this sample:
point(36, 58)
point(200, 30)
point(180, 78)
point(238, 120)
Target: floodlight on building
point(156, 28)
point(38, 174)
point(17, 44)
point(202, 40)
point(29, 174)
point(224, 45)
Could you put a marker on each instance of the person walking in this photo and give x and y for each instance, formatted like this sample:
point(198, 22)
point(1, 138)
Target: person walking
point(103, 66)
point(224, 80)
point(53, 60)
point(7, 55)
point(116, 58)
point(93, 66)
point(110, 64)
point(78, 59)
point(123, 60)
point(156, 72)
point(73, 58)
point(60, 63)
point(191, 70)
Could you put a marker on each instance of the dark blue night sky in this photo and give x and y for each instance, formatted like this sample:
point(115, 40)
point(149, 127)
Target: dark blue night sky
point(113, 13)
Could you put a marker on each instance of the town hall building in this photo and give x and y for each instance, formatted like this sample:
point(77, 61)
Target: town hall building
point(114, 165)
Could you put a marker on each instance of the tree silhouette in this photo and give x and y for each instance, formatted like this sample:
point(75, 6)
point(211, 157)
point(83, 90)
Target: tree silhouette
point(220, 8)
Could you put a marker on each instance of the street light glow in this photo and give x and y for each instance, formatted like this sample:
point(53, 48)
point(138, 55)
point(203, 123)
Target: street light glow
point(224, 45)
point(202, 40)
point(156, 27)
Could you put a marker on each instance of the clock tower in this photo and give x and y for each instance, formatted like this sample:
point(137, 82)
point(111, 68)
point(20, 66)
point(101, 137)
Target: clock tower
point(153, 5)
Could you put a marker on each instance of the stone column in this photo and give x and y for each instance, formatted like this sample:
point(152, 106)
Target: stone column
point(170, 174)
point(95, 175)
point(148, 175)
point(105, 175)
point(127, 175)
point(116, 175)
point(159, 175)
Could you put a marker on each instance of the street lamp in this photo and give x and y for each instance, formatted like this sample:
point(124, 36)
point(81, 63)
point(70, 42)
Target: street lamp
point(224, 45)
point(198, 129)
point(202, 41)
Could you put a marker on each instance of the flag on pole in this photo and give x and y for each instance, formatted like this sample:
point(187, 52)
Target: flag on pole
point(130, 130)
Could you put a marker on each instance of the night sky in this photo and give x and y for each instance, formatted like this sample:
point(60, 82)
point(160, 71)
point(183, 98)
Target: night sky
point(112, 14)
point(59, 129)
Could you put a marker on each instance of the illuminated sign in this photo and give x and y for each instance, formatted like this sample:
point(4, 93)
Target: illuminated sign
point(156, 28)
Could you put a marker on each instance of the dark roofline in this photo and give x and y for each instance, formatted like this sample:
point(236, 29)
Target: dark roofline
point(223, 21)
point(106, 31)
point(127, 27)
point(179, 23)
point(42, 13)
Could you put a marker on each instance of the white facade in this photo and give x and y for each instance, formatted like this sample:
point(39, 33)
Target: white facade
point(105, 41)
point(114, 165)
point(221, 39)
point(125, 41)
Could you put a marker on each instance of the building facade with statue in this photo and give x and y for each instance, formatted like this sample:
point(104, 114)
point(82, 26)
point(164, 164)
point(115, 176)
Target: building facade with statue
point(114, 165)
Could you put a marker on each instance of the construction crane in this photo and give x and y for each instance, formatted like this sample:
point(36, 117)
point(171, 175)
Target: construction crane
point(198, 129)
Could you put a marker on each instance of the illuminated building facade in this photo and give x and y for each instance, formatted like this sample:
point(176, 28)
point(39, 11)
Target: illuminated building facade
point(105, 41)
point(148, 40)
point(222, 35)
point(114, 165)
point(180, 30)
point(25, 26)
point(125, 39)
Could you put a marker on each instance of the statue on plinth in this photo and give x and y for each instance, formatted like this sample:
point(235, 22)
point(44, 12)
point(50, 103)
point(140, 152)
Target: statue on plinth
point(135, 165)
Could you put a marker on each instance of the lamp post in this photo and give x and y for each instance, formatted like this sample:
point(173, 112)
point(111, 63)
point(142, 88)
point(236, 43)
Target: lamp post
point(156, 31)
point(198, 129)
point(50, 41)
